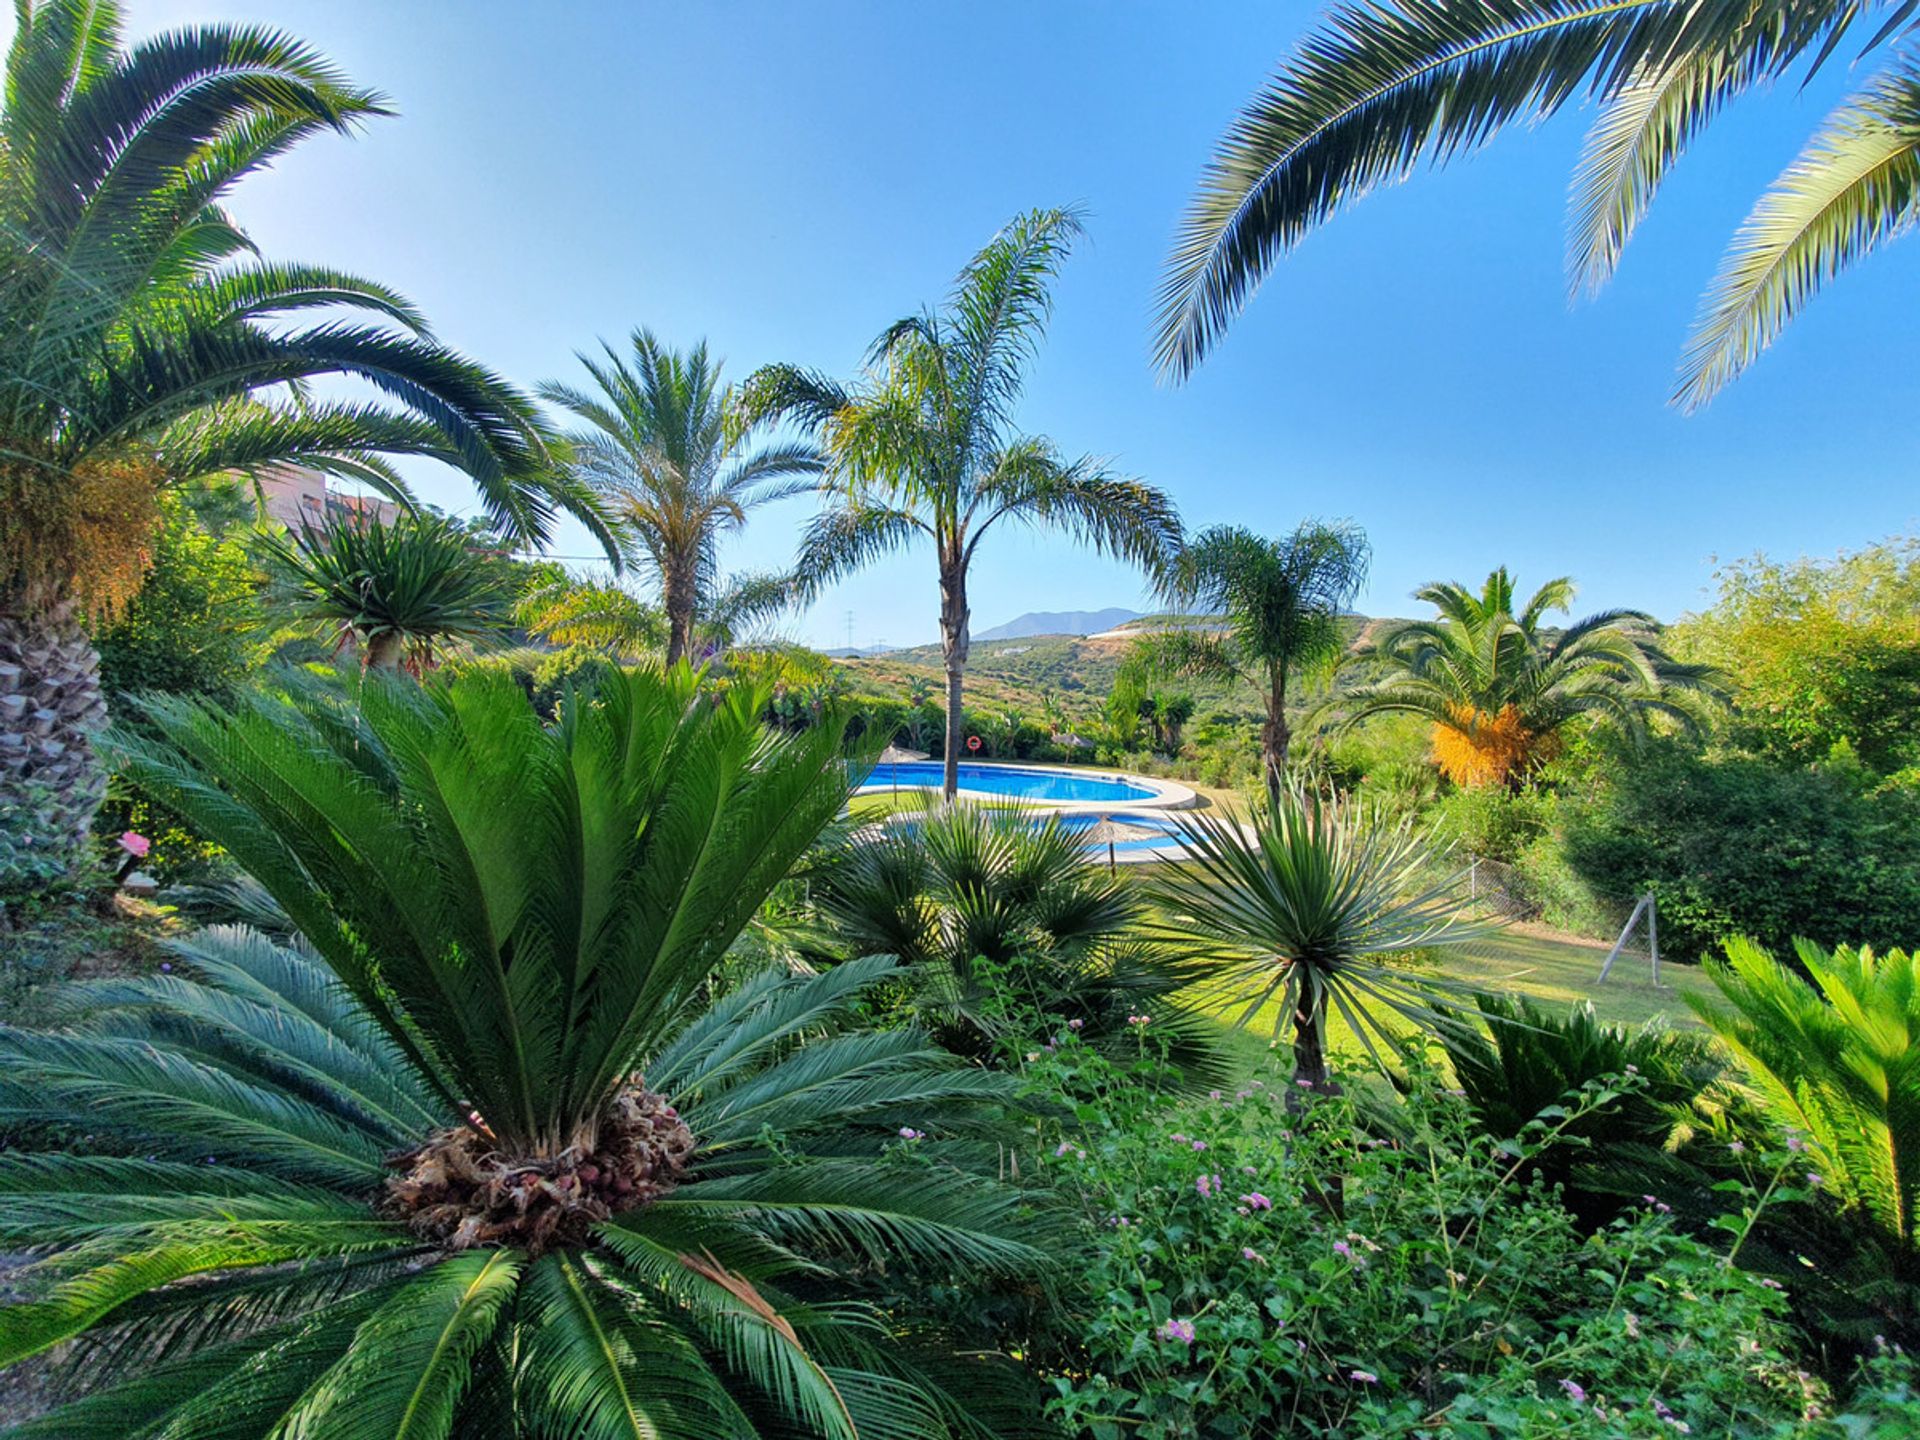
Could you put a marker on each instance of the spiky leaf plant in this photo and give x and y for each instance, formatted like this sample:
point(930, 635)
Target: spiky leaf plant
point(397, 590)
point(1304, 911)
point(490, 1159)
point(993, 907)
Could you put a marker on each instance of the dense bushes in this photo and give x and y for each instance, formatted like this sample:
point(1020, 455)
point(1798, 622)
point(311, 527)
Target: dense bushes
point(1233, 1292)
point(1733, 845)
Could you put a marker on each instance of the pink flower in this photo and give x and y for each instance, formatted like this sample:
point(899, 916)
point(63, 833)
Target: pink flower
point(1075, 1024)
point(135, 844)
point(1257, 1201)
point(1247, 1252)
point(1180, 1331)
point(1341, 1248)
point(1205, 1186)
point(1199, 1145)
point(1366, 1377)
point(1796, 1144)
point(1815, 1180)
point(1574, 1392)
point(907, 1132)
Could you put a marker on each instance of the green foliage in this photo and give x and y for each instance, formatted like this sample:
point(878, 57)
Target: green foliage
point(577, 670)
point(509, 923)
point(1003, 922)
point(1224, 1296)
point(192, 627)
point(1302, 909)
point(1495, 824)
point(1824, 655)
point(1733, 846)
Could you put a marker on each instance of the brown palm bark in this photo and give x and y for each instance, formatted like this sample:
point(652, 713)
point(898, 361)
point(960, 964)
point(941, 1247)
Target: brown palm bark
point(677, 589)
point(1275, 736)
point(386, 650)
point(51, 782)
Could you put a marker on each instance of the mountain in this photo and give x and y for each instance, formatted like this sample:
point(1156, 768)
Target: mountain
point(1058, 622)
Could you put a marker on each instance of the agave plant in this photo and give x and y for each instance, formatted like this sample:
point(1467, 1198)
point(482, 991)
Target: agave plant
point(396, 590)
point(989, 907)
point(1301, 913)
point(491, 1157)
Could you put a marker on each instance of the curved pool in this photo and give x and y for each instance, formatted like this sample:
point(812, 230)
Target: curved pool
point(1163, 841)
point(1017, 782)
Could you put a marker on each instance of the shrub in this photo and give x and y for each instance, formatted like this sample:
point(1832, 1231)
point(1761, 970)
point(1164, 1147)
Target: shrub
point(1495, 824)
point(1224, 1296)
point(578, 668)
point(1735, 846)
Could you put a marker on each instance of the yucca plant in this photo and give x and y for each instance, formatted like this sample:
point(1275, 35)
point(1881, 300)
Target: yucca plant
point(1501, 689)
point(397, 590)
point(1307, 909)
point(1376, 87)
point(1002, 921)
point(492, 1157)
point(144, 343)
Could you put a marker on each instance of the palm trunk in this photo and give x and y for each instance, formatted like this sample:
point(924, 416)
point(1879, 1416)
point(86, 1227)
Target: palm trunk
point(1275, 738)
point(1309, 1047)
point(385, 650)
point(51, 782)
point(953, 649)
point(676, 592)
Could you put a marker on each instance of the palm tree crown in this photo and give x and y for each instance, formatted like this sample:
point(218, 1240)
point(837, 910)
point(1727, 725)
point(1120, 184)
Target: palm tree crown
point(924, 447)
point(1281, 603)
point(143, 342)
point(1500, 688)
point(1378, 86)
point(487, 1152)
point(663, 442)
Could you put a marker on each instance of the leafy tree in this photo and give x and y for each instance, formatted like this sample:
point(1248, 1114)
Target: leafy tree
point(191, 628)
point(1838, 1061)
point(1820, 654)
point(1280, 602)
point(599, 613)
point(140, 335)
point(1376, 87)
point(441, 1198)
point(395, 590)
point(982, 905)
point(923, 445)
point(1300, 910)
point(663, 441)
point(1499, 689)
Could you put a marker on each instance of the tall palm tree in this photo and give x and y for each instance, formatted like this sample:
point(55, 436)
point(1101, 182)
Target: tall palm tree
point(1281, 602)
point(396, 590)
point(922, 446)
point(488, 1153)
point(1500, 688)
point(663, 442)
point(143, 343)
point(1302, 910)
point(1375, 87)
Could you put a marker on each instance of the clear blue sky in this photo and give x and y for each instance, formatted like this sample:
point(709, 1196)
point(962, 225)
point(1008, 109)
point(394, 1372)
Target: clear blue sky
point(786, 178)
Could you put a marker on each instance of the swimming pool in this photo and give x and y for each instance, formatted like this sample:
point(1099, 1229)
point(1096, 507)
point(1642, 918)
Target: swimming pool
point(1018, 782)
point(1162, 843)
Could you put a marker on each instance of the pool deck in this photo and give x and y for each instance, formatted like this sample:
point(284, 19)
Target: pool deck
point(1164, 794)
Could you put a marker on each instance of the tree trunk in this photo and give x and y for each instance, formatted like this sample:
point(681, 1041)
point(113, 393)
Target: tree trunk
point(953, 649)
point(1275, 737)
point(386, 650)
point(51, 782)
point(1309, 1046)
point(676, 594)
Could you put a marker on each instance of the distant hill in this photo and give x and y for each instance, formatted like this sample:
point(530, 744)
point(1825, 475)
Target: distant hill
point(1058, 622)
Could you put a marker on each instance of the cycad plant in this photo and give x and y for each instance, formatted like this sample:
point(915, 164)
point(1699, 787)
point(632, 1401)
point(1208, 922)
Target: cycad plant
point(1308, 910)
point(493, 1157)
point(1002, 921)
point(664, 442)
point(1835, 1052)
point(1279, 604)
point(397, 590)
point(923, 446)
point(144, 343)
point(1500, 688)
point(1375, 88)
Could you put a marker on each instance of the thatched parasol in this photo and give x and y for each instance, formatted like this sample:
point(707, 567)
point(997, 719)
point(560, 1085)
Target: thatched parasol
point(1108, 831)
point(898, 755)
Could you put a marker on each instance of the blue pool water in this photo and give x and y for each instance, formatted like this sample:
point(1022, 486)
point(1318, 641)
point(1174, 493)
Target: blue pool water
point(1166, 834)
point(1015, 781)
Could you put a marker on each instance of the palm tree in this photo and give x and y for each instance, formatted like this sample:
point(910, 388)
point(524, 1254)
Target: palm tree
point(1300, 911)
point(406, 1177)
point(987, 907)
point(599, 613)
point(923, 445)
point(395, 590)
point(1376, 87)
point(1838, 1061)
point(665, 444)
point(1500, 690)
point(1281, 602)
point(143, 343)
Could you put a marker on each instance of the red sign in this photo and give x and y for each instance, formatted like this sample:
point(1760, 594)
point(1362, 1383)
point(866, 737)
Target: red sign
point(973, 742)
